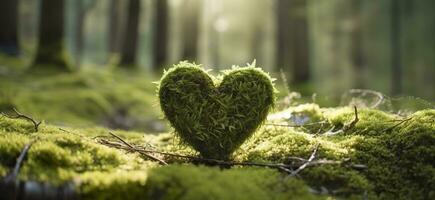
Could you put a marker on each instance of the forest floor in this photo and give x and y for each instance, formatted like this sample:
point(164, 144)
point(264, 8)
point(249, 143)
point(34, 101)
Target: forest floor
point(116, 99)
point(301, 151)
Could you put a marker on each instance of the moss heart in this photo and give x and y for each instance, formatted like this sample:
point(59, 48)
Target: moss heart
point(215, 115)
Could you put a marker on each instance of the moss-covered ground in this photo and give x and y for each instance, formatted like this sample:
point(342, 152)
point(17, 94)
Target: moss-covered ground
point(398, 155)
point(114, 98)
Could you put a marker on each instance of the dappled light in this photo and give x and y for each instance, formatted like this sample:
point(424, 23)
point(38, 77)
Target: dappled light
point(217, 99)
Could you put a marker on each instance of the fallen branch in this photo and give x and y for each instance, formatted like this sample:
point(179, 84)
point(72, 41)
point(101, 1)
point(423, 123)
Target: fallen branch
point(297, 126)
point(288, 168)
point(397, 124)
point(19, 115)
point(11, 177)
point(310, 160)
point(143, 153)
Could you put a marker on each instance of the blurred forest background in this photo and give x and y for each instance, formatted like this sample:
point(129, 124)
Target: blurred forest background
point(323, 47)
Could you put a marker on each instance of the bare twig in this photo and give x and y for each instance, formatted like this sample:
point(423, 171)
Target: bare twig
point(141, 152)
point(303, 125)
point(14, 173)
point(310, 159)
point(23, 116)
point(319, 130)
point(346, 127)
point(397, 124)
point(353, 123)
point(64, 130)
point(297, 159)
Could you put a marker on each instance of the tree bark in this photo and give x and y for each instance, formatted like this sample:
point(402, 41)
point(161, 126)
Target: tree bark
point(301, 66)
point(160, 35)
point(79, 32)
point(190, 30)
point(129, 46)
point(282, 35)
point(357, 56)
point(396, 75)
point(115, 26)
point(292, 39)
point(51, 49)
point(9, 27)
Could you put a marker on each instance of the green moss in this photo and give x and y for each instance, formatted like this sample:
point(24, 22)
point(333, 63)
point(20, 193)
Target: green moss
point(120, 184)
point(85, 98)
point(371, 122)
point(399, 160)
point(215, 115)
point(191, 182)
point(11, 64)
point(3, 171)
point(57, 156)
point(11, 125)
point(52, 57)
point(276, 144)
point(10, 147)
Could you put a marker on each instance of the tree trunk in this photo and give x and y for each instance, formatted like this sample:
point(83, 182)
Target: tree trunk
point(160, 35)
point(292, 39)
point(8, 23)
point(301, 67)
point(114, 26)
point(396, 85)
point(282, 35)
point(190, 30)
point(257, 36)
point(357, 56)
point(79, 32)
point(129, 45)
point(51, 49)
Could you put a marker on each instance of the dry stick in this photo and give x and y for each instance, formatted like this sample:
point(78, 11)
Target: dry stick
point(310, 159)
point(21, 115)
point(346, 127)
point(397, 124)
point(353, 123)
point(13, 175)
point(289, 125)
point(143, 153)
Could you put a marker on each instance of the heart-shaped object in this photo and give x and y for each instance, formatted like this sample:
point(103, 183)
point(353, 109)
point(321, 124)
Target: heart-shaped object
point(215, 115)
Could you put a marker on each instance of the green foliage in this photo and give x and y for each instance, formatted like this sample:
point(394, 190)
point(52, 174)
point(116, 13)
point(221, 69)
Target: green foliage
point(215, 116)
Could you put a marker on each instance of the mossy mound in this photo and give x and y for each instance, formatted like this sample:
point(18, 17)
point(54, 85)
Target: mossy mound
point(398, 153)
point(118, 99)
